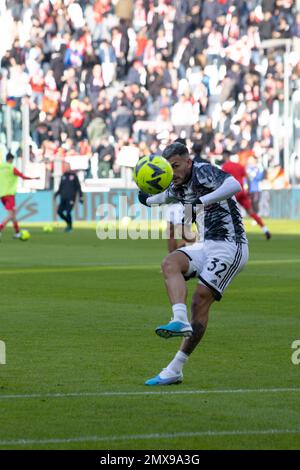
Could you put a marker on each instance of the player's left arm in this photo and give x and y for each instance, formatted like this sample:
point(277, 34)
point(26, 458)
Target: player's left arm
point(228, 188)
point(222, 185)
point(18, 173)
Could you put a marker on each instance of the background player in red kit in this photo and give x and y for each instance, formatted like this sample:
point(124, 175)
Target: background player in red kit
point(239, 172)
point(8, 188)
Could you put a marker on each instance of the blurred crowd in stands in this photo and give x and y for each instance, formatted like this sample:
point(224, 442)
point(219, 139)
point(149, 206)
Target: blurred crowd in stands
point(99, 75)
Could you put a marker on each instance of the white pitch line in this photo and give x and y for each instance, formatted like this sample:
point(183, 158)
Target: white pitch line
point(130, 437)
point(115, 267)
point(80, 268)
point(149, 392)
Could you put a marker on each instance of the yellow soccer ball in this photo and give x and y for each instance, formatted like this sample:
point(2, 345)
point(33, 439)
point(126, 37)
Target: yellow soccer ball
point(48, 229)
point(153, 174)
point(24, 235)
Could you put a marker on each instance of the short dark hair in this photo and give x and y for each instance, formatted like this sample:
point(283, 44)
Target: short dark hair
point(181, 140)
point(175, 149)
point(9, 156)
point(226, 153)
point(197, 147)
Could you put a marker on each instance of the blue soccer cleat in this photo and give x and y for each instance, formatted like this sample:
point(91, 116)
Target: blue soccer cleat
point(157, 380)
point(174, 329)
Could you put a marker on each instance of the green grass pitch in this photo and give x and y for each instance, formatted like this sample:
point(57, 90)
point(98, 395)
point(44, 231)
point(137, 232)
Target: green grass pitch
point(78, 318)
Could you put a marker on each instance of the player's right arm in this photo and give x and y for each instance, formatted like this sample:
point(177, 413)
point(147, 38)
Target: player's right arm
point(24, 177)
point(166, 197)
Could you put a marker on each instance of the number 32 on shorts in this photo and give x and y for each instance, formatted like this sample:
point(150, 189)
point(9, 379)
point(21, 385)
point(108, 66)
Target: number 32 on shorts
point(216, 263)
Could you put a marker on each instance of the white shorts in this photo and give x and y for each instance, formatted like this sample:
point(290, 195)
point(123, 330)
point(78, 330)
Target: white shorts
point(215, 263)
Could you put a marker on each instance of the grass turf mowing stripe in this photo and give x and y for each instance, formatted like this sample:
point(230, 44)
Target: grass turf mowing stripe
point(112, 267)
point(129, 394)
point(63, 269)
point(129, 437)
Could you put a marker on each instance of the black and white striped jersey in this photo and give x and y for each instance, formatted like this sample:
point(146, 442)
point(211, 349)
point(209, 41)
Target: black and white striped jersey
point(221, 220)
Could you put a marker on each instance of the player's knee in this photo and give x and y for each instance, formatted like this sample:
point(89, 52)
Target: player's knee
point(175, 262)
point(168, 266)
point(171, 264)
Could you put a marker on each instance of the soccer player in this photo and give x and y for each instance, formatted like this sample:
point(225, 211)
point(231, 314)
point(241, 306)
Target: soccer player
point(255, 174)
point(216, 261)
point(176, 228)
point(238, 171)
point(8, 188)
point(68, 189)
